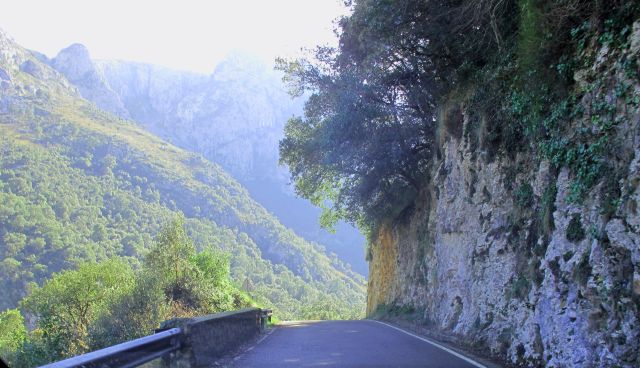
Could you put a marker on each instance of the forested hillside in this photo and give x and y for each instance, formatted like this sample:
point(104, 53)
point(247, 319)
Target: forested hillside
point(79, 184)
point(234, 117)
point(491, 150)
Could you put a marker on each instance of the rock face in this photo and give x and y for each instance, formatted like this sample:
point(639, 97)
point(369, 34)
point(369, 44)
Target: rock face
point(15, 92)
point(234, 117)
point(501, 260)
point(76, 65)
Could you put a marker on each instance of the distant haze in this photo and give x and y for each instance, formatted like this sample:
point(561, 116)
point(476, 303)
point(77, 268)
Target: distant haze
point(188, 34)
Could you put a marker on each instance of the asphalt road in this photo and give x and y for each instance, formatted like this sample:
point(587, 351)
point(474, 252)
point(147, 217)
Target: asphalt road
point(345, 344)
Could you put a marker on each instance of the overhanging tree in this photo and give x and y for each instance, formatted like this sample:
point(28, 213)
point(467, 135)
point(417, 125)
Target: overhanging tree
point(362, 150)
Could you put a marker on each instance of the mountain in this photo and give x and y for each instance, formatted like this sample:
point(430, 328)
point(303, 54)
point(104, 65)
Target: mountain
point(80, 184)
point(234, 117)
point(77, 67)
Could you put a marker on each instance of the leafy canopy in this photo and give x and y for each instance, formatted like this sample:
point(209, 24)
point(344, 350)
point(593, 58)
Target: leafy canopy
point(362, 149)
point(67, 304)
point(365, 146)
point(12, 331)
point(102, 304)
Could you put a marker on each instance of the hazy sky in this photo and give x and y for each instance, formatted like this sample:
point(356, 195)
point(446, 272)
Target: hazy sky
point(187, 34)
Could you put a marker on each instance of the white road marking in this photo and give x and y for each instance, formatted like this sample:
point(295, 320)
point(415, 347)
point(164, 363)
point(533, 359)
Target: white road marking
point(468, 360)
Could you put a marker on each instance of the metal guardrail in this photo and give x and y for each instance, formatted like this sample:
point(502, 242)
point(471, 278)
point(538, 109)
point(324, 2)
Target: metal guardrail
point(139, 351)
point(128, 354)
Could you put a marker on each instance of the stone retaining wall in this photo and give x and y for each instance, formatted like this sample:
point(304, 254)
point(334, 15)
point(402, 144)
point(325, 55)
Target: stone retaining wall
point(206, 339)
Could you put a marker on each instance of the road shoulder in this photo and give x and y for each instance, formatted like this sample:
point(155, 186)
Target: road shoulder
point(442, 342)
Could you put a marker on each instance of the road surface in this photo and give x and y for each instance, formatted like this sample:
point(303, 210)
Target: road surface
point(346, 344)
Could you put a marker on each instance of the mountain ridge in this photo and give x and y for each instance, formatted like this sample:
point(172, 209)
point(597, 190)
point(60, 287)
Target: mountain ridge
point(235, 116)
point(98, 186)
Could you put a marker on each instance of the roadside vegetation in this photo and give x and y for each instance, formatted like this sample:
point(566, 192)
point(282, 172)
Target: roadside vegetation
point(382, 101)
point(104, 303)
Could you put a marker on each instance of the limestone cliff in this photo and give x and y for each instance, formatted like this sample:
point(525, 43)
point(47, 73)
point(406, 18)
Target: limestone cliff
point(494, 253)
point(76, 65)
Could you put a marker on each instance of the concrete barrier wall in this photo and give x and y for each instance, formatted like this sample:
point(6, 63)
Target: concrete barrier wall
point(206, 339)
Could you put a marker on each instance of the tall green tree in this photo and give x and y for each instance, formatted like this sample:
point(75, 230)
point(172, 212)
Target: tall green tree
point(67, 304)
point(194, 283)
point(363, 148)
point(170, 255)
point(175, 281)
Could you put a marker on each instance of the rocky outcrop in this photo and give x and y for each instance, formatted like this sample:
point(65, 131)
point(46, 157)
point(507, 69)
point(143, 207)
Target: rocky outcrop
point(495, 256)
point(15, 93)
point(235, 116)
point(76, 65)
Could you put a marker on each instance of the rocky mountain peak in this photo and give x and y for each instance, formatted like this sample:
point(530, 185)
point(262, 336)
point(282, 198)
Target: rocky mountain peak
point(9, 52)
point(241, 65)
point(76, 65)
point(14, 60)
point(74, 62)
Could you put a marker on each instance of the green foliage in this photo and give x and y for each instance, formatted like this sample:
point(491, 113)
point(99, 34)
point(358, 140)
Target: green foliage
point(13, 333)
point(524, 196)
point(194, 284)
point(586, 152)
point(105, 303)
point(214, 266)
point(538, 109)
point(170, 258)
point(58, 212)
point(66, 305)
point(174, 281)
point(575, 232)
point(364, 144)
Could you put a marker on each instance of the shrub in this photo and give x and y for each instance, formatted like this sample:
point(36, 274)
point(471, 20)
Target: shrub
point(524, 196)
point(575, 232)
point(67, 304)
point(13, 333)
